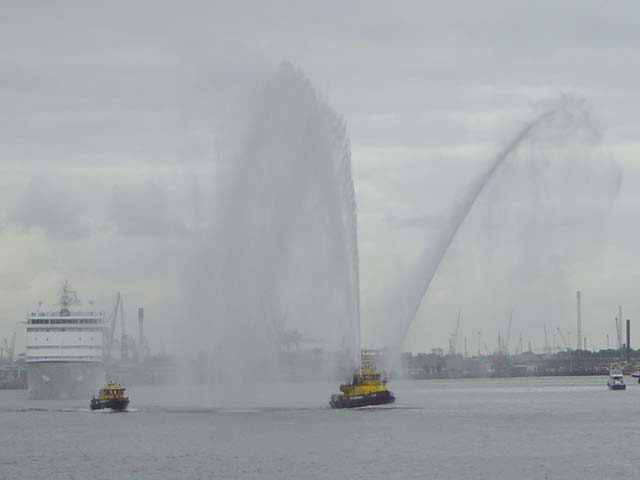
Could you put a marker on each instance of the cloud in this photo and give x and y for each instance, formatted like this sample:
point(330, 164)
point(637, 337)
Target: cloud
point(143, 211)
point(428, 93)
point(52, 208)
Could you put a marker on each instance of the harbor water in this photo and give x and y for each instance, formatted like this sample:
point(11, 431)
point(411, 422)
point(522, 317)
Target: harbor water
point(525, 428)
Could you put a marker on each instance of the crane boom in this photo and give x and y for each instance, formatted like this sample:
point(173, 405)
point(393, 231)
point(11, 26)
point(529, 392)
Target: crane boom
point(508, 339)
point(564, 339)
point(112, 326)
point(546, 340)
point(9, 348)
point(619, 331)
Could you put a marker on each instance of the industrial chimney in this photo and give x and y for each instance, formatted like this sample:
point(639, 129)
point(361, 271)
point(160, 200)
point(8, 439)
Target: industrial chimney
point(579, 310)
point(628, 340)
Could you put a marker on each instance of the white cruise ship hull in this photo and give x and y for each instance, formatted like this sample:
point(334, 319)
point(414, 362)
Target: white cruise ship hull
point(52, 380)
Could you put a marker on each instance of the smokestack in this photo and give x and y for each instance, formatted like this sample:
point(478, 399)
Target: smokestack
point(140, 334)
point(628, 340)
point(619, 325)
point(579, 309)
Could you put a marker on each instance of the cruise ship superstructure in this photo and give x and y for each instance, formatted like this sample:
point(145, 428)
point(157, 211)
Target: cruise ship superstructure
point(65, 349)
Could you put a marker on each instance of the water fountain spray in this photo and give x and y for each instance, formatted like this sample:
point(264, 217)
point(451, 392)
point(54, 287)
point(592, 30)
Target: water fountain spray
point(283, 263)
point(565, 115)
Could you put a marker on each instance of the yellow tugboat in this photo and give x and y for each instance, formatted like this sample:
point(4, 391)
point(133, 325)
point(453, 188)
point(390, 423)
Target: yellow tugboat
point(366, 388)
point(110, 396)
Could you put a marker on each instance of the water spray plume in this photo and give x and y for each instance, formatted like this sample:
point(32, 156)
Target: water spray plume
point(283, 267)
point(566, 119)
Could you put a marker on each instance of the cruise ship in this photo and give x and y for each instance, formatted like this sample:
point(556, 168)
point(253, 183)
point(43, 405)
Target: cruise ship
point(65, 349)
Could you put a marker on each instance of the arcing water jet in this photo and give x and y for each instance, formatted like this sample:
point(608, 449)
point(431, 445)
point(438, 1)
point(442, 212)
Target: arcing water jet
point(566, 119)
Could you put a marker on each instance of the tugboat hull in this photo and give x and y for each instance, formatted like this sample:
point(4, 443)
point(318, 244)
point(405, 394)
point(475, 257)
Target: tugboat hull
point(375, 398)
point(112, 404)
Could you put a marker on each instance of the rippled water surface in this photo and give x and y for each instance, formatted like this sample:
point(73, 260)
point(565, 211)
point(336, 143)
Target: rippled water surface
point(535, 428)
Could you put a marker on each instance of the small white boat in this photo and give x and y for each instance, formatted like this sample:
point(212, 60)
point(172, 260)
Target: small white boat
point(616, 379)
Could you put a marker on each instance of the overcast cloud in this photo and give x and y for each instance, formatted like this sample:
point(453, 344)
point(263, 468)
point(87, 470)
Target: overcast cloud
point(115, 117)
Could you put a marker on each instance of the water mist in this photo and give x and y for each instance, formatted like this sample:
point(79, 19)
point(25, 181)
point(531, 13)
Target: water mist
point(279, 271)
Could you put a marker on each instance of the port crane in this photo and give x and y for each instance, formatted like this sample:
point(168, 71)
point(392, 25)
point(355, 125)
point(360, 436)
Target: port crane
point(285, 338)
point(112, 327)
point(564, 339)
point(9, 348)
point(508, 339)
point(619, 332)
point(546, 341)
point(453, 341)
point(520, 347)
point(295, 338)
point(482, 345)
point(126, 342)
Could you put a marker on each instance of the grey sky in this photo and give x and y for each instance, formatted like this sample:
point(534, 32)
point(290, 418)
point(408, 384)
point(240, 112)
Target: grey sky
point(108, 110)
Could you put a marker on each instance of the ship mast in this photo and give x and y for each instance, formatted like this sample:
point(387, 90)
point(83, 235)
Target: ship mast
point(68, 296)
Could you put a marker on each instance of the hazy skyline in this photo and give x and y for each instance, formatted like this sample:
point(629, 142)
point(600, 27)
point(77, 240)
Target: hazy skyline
point(115, 116)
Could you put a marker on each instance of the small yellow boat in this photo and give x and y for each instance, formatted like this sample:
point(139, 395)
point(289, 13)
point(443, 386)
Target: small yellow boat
point(366, 388)
point(110, 396)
